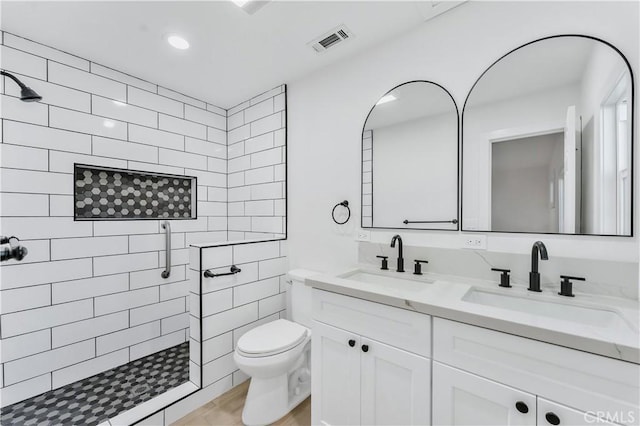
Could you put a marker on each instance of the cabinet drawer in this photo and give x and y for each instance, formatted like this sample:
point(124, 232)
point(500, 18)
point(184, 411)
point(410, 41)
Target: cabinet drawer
point(550, 413)
point(397, 327)
point(583, 381)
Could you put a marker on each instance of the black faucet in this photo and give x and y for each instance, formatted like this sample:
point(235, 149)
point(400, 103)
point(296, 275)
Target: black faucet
point(534, 276)
point(400, 258)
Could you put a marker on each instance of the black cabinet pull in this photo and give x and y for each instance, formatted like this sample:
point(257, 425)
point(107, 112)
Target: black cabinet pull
point(522, 407)
point(365, 348)
point(552, 418)
point(352, 342)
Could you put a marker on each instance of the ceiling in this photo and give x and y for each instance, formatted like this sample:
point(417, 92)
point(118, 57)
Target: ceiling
point(233, 55)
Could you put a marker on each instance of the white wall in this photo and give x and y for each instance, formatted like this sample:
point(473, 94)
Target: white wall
point(414, 171)
point(328, 109)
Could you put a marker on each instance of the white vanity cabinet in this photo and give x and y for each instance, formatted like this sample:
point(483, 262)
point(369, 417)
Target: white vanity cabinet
point(335, 372)
point(358, 378)
point(552, 413)
point(489, 372)
point(462, 398)
point(378, 364)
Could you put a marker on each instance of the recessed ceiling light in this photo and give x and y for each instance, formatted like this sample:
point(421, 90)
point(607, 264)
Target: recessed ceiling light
point(109, 124)
point(178, 42)
point(250, 6)
point(385, 99)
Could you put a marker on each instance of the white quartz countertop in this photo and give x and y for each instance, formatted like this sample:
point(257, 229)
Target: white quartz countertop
point(444, 296)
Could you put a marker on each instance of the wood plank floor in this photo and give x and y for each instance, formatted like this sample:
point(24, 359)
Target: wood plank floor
point(227, 410)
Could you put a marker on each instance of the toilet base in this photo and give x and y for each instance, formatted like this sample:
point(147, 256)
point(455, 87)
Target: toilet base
point(268, 400)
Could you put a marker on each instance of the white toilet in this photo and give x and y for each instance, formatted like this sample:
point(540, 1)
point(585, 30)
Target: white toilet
point(277, 357)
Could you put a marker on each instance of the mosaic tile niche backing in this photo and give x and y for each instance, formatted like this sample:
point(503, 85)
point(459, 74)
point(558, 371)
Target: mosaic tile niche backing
point(103, 194)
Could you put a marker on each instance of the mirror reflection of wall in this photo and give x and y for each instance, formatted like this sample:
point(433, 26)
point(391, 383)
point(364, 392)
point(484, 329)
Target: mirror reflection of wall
point(410, 159)
point(547, 141)
point(532, 165)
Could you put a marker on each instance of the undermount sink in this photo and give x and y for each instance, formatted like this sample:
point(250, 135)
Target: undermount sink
point(386, 280)
point(588, 315)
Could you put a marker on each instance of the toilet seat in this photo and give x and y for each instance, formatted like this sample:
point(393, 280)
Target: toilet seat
point(272, 338)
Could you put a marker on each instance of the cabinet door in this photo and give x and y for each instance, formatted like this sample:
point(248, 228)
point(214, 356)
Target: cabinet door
point(395, 386)
point(335, 376)
point(461, 398)
point(552, 413)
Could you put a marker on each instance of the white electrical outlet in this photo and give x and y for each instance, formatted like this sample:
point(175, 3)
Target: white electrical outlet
point(363, 235)
point(474, 241)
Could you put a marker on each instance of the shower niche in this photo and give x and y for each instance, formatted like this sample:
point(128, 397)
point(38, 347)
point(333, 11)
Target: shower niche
point(102, 193)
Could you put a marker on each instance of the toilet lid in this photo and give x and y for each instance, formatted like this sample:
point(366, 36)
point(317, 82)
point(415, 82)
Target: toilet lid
point(274, 337)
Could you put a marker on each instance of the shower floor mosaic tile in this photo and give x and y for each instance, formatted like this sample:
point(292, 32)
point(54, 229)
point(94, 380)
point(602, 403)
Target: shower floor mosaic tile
point(98, 398)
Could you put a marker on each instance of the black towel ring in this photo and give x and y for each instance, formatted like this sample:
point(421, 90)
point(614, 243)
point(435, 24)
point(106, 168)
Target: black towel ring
point(344, 204)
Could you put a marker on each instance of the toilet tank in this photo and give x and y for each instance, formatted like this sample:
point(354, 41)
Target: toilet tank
point(299, 296)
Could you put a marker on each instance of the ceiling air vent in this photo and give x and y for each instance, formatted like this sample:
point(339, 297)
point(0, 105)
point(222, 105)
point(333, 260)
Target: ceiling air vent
point(330, 39)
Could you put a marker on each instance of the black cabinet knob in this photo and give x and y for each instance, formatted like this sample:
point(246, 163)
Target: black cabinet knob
point(352, 342)
point(365, 348)
point(522, 407)
point(552, 418)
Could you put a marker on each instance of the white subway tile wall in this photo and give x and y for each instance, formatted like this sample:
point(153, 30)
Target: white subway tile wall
point(257, 167)
point(367, 178)
point(232, 305)
point(95, 295)
point(89, 296)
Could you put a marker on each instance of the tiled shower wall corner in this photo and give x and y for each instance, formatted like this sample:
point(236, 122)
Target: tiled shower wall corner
point(231, 306)
point(89, 296)
point(257, 166)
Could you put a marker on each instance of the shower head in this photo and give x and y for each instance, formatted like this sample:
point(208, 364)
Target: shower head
point(27, 94)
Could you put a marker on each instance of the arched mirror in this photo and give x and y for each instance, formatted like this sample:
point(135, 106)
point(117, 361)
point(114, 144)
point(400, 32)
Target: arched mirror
point(410, 159)
point(548, 141)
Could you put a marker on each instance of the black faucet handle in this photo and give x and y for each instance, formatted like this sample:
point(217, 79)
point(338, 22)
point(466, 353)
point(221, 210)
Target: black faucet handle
point(417, 269)
point(566, 285)
point(385, 262)
point(505, 279)
point(569, 277)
